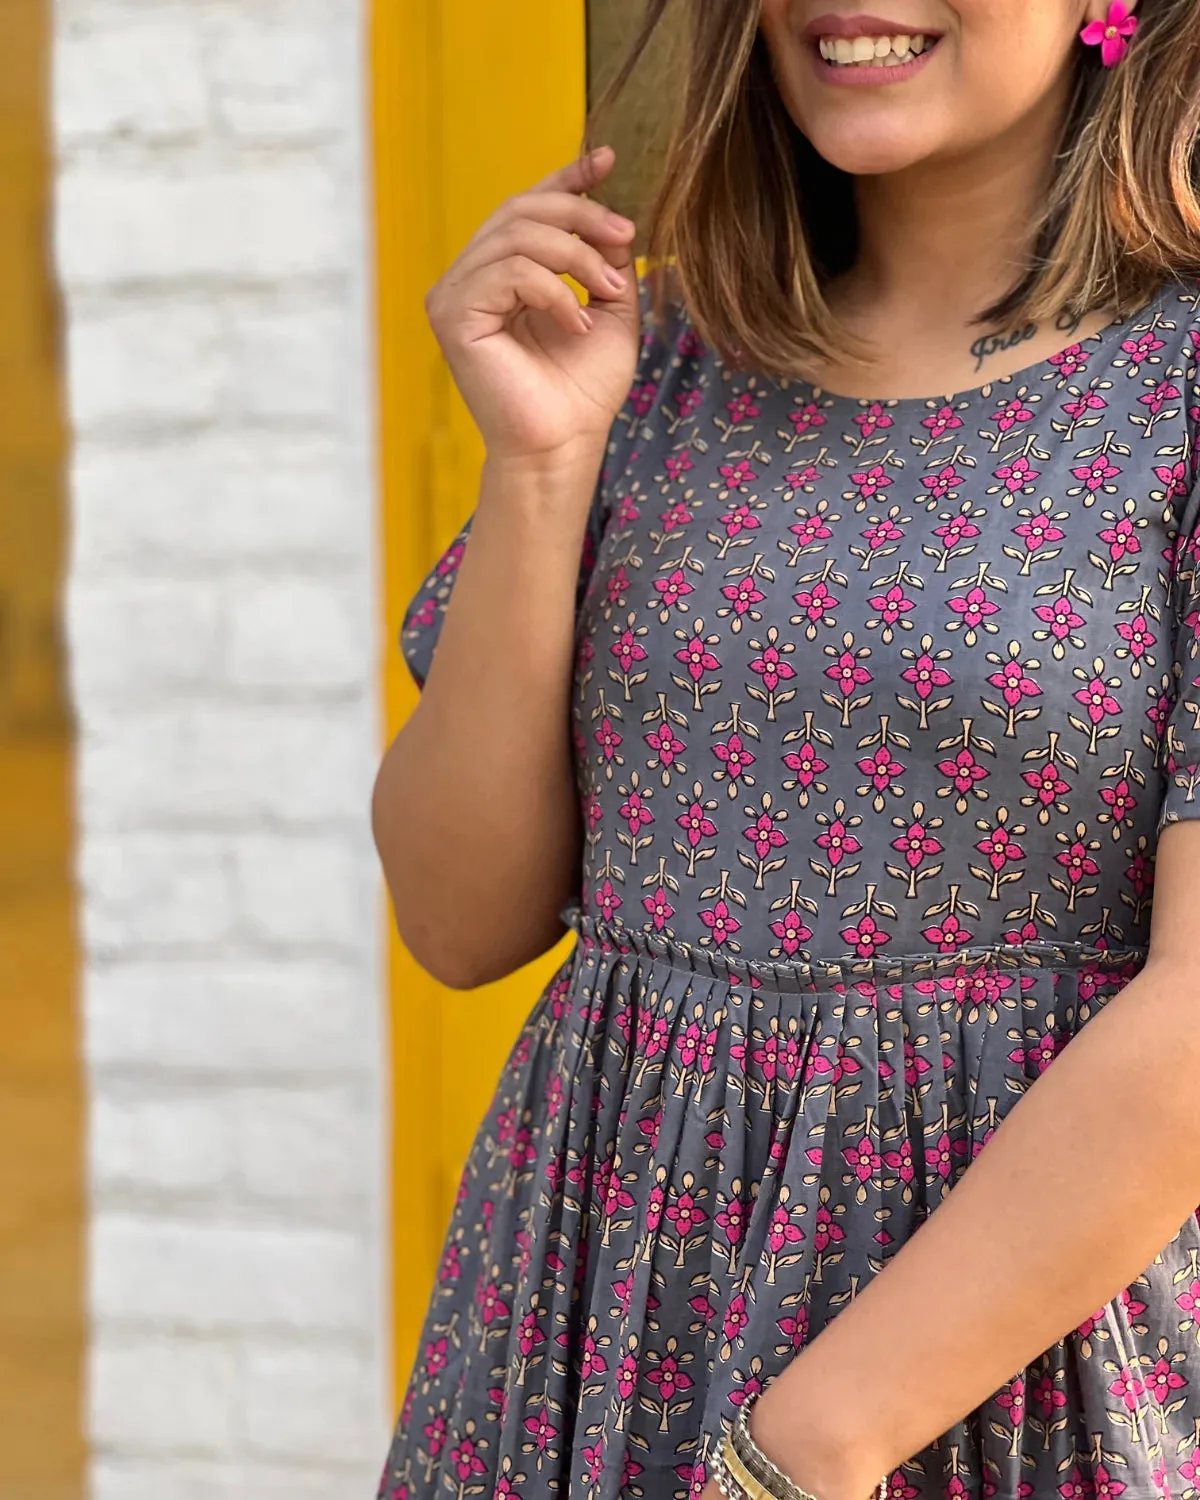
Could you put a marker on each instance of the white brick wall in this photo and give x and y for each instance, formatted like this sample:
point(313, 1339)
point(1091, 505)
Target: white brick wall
point(212, 247)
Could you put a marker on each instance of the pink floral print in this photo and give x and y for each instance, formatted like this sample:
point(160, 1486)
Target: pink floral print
point(879, 711)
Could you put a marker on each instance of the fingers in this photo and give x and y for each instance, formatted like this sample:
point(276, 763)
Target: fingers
point(580, 176)
point(545, 218)
point(507, 285)
point(576, 215)
point(519, 255)
point(553, 248)
point(556, 202)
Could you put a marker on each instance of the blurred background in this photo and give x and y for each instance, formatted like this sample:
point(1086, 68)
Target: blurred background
point(232, 1110)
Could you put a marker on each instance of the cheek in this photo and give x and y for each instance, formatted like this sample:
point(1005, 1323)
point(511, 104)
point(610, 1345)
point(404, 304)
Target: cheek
point(773, 16)
point(1017, 47)
point(1007, 71)
point(777, 35)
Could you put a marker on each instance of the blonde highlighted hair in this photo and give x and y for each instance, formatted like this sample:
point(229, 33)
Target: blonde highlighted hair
point(751, 260)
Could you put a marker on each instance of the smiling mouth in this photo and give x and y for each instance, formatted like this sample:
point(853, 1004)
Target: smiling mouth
point(874, 51)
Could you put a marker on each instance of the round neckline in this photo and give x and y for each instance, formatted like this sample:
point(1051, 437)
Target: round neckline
point(1027, 374)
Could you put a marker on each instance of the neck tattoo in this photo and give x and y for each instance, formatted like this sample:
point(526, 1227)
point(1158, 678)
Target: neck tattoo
point(998, 343)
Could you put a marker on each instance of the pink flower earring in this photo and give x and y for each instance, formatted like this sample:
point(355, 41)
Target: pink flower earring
point(1112, 34)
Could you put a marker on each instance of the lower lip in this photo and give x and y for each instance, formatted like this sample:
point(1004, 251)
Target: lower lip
point(860, 77)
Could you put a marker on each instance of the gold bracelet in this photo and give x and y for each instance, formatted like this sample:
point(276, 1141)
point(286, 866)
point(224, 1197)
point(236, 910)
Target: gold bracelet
point(741, 1465)
point(749, 1485)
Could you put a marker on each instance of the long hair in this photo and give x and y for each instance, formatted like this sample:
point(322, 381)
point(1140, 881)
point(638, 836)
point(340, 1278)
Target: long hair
point(734, 217)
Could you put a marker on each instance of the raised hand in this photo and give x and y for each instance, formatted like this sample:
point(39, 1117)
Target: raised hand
point(543, 376)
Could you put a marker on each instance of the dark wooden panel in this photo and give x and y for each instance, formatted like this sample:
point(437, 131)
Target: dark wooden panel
point(640, 124)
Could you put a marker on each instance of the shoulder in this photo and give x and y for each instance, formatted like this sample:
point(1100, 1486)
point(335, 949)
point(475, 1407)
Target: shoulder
point(1187, 308)
point(1176, 322)
point(670, 341)
point(672, 355)
point(669, 355)
point(1152, 377)
point(1167, 330)
point(1146, 360)
point(1160, 354)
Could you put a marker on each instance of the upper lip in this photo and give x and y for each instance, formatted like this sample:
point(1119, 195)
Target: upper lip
point(852, 26)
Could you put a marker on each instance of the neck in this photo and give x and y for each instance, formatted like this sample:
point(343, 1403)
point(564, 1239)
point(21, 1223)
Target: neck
point(942, 241)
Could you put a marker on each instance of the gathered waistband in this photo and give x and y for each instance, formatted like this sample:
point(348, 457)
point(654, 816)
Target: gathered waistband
point(825, 973)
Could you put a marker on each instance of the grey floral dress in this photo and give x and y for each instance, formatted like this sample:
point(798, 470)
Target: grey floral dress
point(879, 710)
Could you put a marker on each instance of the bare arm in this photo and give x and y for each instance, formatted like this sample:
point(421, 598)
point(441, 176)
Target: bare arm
point(1063, 1230)
point(476, 815)
point(475, 812)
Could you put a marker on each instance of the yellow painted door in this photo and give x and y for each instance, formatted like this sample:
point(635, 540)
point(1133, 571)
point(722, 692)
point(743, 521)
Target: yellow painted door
point(473, 101)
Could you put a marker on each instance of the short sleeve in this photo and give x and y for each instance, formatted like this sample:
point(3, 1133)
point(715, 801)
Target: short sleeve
point(1179, 715)
point(427, 609)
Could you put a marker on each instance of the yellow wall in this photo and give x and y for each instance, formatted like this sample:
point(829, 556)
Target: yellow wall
point(473, 102)
point(41, 1101)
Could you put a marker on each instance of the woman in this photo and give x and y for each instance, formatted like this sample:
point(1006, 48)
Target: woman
point(879, 702)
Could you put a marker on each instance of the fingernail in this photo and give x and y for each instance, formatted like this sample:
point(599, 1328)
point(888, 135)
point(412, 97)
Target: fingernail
point(586, 319)
point(615, 280)
point(619, 221)
point(599, 152)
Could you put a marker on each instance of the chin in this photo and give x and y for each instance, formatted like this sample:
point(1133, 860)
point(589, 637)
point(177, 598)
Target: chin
point(869, 152)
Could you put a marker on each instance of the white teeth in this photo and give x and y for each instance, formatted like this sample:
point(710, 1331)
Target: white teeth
point(873, 51)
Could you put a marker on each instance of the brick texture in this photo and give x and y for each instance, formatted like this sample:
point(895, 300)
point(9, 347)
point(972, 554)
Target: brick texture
point(211, 239)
